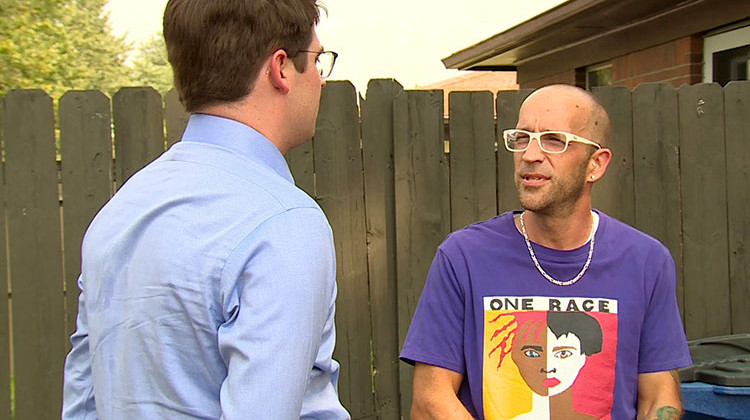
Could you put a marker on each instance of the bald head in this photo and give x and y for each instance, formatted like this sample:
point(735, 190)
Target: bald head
point(572, 106)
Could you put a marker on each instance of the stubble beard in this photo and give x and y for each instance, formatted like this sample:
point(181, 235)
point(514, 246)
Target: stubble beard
point(559, 196)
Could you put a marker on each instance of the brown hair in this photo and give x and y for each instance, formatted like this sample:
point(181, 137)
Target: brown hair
point(217, 47)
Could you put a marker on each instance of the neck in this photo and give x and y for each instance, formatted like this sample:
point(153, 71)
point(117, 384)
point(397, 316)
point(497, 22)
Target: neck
point(566, 232)
point(250, 112)
point(561, 406)
point(540, 407)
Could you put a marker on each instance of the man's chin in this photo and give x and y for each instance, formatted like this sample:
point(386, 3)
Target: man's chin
point(532, 201)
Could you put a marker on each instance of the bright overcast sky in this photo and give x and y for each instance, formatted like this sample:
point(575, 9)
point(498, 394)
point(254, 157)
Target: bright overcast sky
point(401, 39)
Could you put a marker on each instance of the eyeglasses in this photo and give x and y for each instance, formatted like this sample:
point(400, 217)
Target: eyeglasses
point(549, 141)
point(324, 61)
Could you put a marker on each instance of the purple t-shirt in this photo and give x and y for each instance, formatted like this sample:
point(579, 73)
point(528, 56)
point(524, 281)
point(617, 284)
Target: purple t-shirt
point(527, 347)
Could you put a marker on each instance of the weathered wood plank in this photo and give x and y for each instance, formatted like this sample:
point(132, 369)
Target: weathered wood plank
point(704, 210)
point(34, 257)
point(340, 192)
point(139, 130)
point(86, 156)
point(377, 152)
point(508, 104)
point(614, 193)
point(4, 314)
point(472, 158)
point(422, 203)
point(656, 170)
point(175, 116)
point(737, 120)
point(300, 161)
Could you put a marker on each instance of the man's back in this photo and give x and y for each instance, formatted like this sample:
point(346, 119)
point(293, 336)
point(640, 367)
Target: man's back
point(183, 270)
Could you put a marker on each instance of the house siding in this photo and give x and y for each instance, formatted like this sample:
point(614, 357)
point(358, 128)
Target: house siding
point(676, 62)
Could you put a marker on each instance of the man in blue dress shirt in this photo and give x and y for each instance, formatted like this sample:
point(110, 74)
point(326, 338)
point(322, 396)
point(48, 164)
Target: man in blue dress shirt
point(208, 281)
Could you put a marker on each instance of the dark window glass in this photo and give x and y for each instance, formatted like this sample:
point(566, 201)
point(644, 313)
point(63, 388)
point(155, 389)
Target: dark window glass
point(601, 76)
point(731, 64)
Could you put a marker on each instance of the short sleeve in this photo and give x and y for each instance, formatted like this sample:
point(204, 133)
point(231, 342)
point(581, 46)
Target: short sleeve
point(663, 343)
point(435, 336)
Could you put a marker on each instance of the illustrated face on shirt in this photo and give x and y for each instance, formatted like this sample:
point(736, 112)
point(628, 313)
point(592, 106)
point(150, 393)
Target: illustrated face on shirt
point(548, 364)
point(565, 359)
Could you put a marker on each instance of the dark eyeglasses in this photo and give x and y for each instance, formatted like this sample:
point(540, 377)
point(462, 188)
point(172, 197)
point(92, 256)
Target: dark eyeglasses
point(324, 61)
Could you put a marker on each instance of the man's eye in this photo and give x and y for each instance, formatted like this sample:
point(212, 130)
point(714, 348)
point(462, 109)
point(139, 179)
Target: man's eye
point(553, 138)
point(521, 139)
point(531, 353)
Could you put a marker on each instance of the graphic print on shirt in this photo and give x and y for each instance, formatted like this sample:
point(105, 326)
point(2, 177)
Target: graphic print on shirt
point(548, 356)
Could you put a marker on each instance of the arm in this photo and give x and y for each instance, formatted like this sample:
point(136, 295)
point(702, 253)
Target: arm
point(435, 394)
point(277, 287)
point(663, 349)
point(78, 386)
point(659, 396)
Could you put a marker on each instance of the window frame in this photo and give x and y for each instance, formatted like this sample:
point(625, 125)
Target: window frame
point(723, 39)
point(594, 68)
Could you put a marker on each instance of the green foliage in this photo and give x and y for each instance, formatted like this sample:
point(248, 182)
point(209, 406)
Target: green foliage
point(59, 45)
point(150, 66)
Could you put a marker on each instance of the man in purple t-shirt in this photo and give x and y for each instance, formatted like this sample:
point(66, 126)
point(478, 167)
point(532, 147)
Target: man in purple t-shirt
point(558, 311)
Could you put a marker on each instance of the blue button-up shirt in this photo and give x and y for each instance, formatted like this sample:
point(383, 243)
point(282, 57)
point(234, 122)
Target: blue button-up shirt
point(207, 290)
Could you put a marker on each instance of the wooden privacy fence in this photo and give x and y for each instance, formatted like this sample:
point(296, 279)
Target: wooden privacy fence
point(381, 170)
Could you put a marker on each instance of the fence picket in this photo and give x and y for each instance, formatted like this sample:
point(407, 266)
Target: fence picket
point(422, 203)
point(175, 117)
point(508, 103)
point(614, 193)
point(737, 120)
point(300, 161)
point(86, 155)
point(472, 158)
point(377, 156)
point(35, 254)
point(704, 216)
point(139, 130)
point(4, 314)
point(340, 192)
point(656, 168)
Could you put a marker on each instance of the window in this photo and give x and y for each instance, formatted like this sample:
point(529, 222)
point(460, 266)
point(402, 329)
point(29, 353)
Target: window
point(726, 54)
point(599, 75)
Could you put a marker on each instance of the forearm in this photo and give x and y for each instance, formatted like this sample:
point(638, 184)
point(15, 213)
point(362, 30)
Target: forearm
point(659, 396)
point(662, 412)
point(448, 408)
point(435, 394)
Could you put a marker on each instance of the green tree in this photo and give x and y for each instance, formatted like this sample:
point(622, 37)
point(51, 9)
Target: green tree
point(59, 45)
point(150, 66)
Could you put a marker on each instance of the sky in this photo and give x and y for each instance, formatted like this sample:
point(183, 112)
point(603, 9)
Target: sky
point(400, 39)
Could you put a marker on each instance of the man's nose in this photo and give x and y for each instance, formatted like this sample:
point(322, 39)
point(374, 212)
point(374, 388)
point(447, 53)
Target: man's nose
point(534, 152)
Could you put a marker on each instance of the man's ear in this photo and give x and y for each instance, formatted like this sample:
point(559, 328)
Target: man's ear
point(277, 71)
point(598, 164)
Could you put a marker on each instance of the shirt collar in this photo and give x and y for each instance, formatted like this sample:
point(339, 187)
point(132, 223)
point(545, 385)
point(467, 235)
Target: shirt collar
point(238, 137)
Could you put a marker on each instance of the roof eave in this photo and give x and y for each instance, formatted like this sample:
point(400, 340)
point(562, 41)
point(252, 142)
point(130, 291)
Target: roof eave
point(520, 34)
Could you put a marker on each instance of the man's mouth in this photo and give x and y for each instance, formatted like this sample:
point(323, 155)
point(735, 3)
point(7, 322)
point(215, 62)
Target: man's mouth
point(551, 382)
point(533, 179)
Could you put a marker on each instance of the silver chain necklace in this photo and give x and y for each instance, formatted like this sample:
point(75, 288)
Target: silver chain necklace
point(544, 273)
